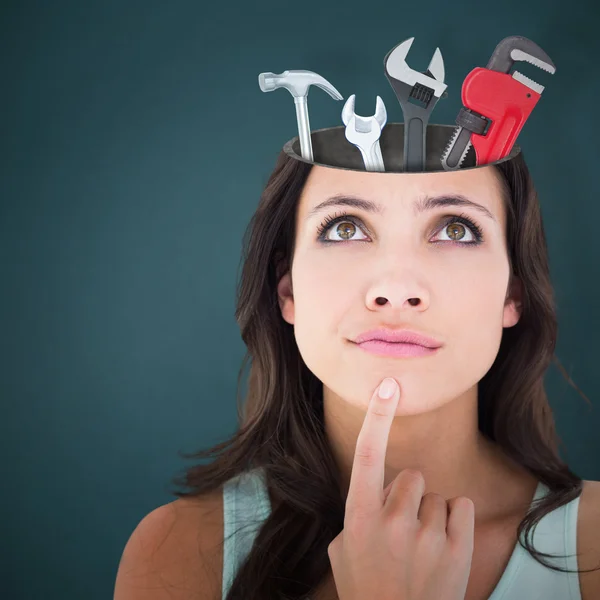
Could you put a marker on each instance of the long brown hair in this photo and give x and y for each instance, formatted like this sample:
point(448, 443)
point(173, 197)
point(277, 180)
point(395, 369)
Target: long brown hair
point(281, 425)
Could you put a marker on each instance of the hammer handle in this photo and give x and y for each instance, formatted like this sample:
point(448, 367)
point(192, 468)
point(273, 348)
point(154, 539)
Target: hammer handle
point(303, 127)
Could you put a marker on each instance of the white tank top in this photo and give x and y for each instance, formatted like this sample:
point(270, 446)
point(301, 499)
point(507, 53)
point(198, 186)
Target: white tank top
point(246, 505)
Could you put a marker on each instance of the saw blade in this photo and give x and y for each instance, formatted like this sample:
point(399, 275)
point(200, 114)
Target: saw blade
point(456, 149)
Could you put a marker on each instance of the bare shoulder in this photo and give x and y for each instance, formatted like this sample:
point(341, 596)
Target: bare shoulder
point(588, 539)
point(175, 552)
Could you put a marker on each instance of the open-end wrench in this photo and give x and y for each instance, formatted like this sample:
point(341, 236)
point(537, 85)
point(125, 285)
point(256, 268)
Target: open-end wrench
point(365, 140)
point(418, 93)
point(365, 124)
point(496, 97)
point(297, 82)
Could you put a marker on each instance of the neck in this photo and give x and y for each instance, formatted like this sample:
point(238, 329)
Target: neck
point(444, 444)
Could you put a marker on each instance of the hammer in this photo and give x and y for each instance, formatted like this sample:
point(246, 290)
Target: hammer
point(297, 83)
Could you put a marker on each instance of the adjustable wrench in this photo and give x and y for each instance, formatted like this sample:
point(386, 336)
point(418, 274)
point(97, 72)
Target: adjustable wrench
point(413, 88)
point(494, 97)
point(364, 132)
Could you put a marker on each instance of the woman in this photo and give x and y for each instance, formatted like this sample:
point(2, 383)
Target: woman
point(333, 253)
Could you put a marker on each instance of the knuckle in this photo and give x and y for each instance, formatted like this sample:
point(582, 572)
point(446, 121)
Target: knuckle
point(336, 544)
point(436, 499)
point(366, 455)
point(357, 521)
point(401, 521)
point(399, 511)
point(432, 536)
point(413, 476)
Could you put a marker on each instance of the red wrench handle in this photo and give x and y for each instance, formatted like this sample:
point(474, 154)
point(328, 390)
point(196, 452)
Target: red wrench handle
point(501, 98)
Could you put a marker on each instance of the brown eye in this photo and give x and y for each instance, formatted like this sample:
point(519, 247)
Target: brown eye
point(346, 230)
point(456, 231)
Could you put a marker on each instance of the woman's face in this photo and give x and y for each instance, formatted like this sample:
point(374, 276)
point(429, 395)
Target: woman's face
point(400, 253)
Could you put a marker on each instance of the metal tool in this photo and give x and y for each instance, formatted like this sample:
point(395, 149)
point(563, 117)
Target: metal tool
point(496, 104)
point(418, 93)
point(367, 130)
point(297, 83)
point(365, 142)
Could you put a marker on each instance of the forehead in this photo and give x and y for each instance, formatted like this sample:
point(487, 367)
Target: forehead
point(390, 190)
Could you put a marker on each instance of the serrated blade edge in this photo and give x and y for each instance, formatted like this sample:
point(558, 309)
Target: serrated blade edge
point(456, 149)
point(518, 55)
point(533, 85)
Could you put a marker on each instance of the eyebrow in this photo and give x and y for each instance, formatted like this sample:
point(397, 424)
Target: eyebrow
point(424, 204)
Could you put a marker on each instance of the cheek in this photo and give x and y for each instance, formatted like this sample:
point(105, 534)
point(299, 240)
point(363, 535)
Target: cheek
point(479, 307)
point(320, 309)
point(320, 293)
point(473, 320)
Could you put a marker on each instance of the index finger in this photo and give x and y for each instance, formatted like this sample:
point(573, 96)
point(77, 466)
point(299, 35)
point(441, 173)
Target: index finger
point(365, 493)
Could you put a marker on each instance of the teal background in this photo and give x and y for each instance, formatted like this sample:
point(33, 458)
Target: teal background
point(135, 143)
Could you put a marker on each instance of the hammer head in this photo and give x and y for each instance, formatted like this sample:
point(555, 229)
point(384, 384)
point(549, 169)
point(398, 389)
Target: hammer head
point(296, 82)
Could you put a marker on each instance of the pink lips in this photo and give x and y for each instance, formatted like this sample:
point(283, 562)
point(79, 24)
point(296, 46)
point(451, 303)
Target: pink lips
point(397, 349)
point(404, 336)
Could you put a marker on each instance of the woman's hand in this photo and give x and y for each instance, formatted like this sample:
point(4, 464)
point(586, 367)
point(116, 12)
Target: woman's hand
point(397, 544)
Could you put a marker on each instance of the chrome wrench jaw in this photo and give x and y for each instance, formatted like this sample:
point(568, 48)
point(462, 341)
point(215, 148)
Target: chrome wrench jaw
point(436, 67)
point(362, 129)
point(365, 134)
point(396, 67)
point(380, 112)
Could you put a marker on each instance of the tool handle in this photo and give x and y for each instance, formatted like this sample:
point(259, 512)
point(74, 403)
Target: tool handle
point(367, 157)
point(415, 125)
point(506, 102)
point(303, 127)
point(414, 144)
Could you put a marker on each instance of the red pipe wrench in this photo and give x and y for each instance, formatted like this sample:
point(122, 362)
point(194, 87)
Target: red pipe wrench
point(496, 104)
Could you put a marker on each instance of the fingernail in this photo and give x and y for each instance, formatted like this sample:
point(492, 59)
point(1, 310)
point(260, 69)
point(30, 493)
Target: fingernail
point(387, 388)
